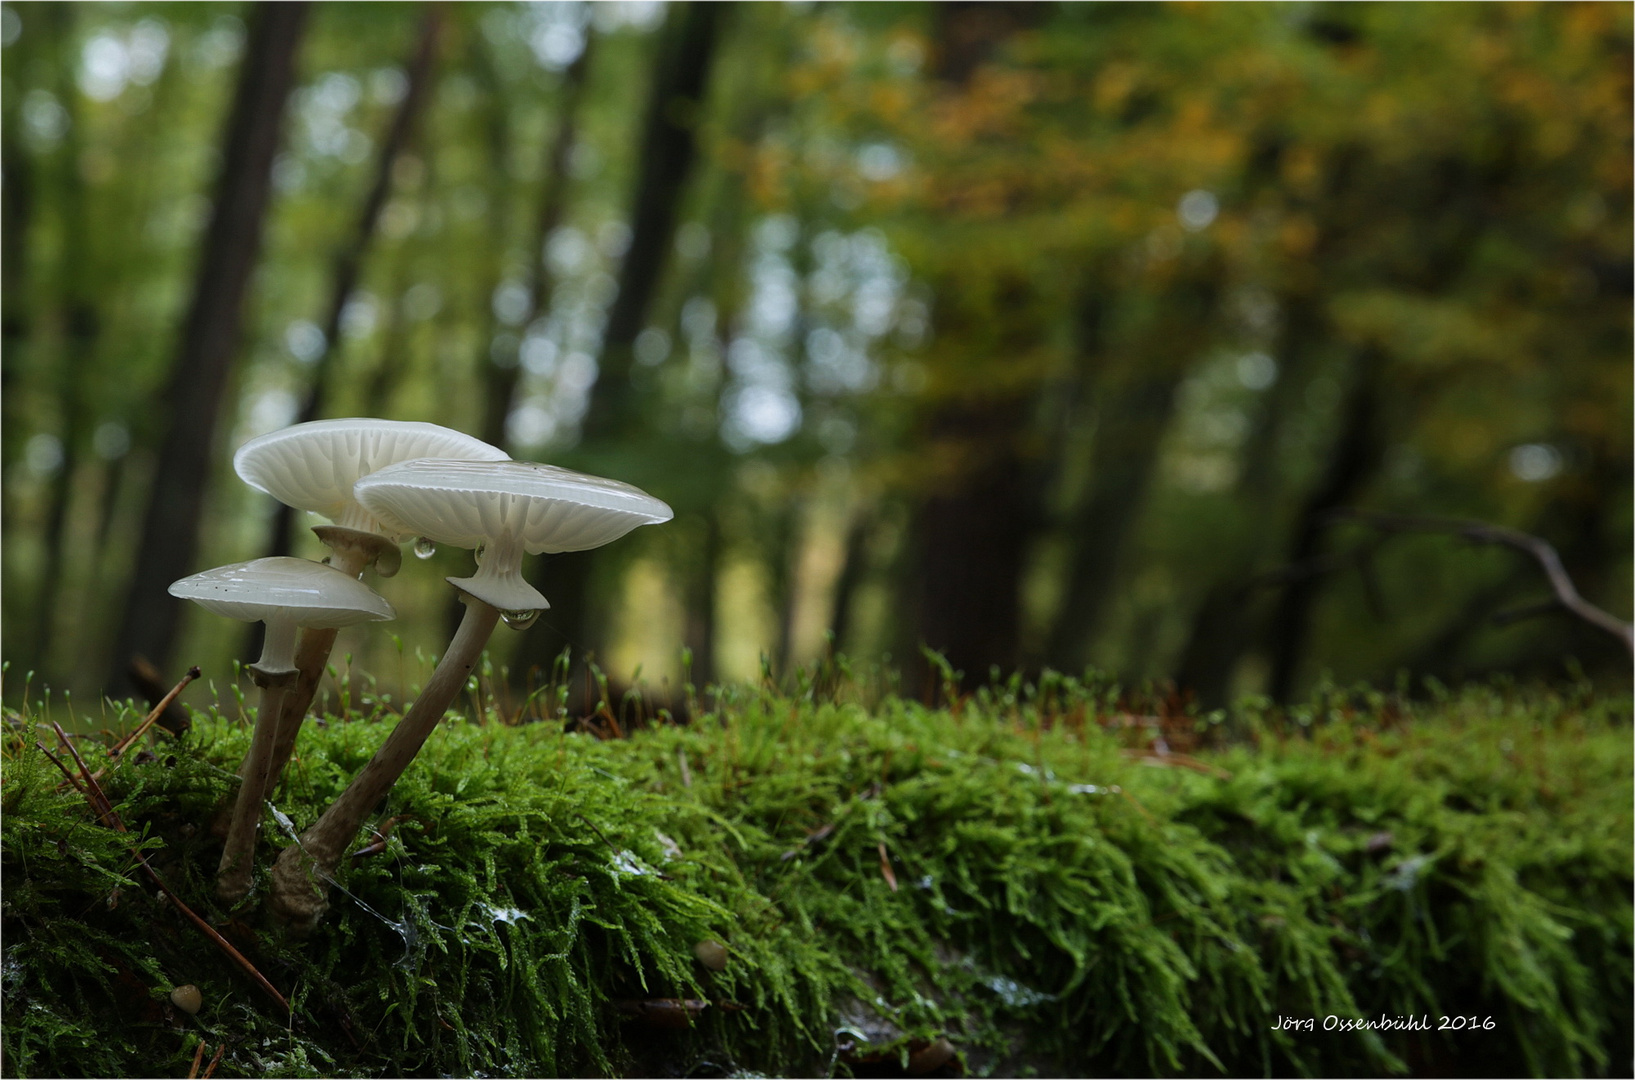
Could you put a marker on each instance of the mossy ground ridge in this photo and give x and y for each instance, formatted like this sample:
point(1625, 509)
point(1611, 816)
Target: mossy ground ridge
point(1025, 874)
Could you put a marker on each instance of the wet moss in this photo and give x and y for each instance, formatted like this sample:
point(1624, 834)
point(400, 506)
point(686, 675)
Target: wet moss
point(1023, 875)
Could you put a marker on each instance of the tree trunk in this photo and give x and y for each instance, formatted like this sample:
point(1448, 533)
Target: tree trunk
point(1575, 522)
point(18, 204)
point(1131, 418)
point(1222, 627)
point(970, 533)
point(669, 147)
point(852, 568)
point(81, 328)
point(700, 627)
point(1130, 427)
point(783, 558)
point(502, 377)
point(970, 540)
point(349, 260)
point(210, 336)
point(1352, 461)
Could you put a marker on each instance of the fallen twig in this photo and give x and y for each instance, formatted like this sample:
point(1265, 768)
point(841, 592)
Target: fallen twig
point(215, 1059)
point(153, 717)
point(198, 1059)
point(146, 678)
point(885, 867)
point(1169, 758)
point(105, 812)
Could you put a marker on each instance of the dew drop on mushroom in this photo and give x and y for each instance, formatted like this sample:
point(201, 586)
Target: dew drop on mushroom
point(520, 620)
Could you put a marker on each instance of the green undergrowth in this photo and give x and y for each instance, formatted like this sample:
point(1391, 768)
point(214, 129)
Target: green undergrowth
point(1028, 875)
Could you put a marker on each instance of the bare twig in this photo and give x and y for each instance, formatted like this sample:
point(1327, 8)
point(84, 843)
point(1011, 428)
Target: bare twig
point(152, 718)
point(1478, 532)
point(215, 1059)
point(72, 779)
point(885, 867)
point(146, 678)
point(198, 1059)
point(105, 811)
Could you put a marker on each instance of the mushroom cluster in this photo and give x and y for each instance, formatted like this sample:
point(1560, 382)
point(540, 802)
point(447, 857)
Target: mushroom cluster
point(382, 482)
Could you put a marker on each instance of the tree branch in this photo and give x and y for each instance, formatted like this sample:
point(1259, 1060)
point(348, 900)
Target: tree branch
point(1478, 532)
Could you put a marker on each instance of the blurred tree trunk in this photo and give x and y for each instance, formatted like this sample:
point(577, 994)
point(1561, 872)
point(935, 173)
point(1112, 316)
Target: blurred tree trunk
point(1131, 417)
point(18, 205)
point(209, 338)
point(969, 533)
point(699, 631)
point(1222, 627)
point(783, 557)
point(503, 372)
point(969, 542)
point(1454, 194)
point(1576, 522)
point(1130, 426)
point(853, 566)
point(720, 278)
point(668, 149)
point(394, 342)
point(81, 327)
point(349, 260)
point(1352, 461)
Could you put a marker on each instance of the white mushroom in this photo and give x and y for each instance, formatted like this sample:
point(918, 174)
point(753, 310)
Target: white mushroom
point(313, 467)
point(285, 593)
point(503, 509)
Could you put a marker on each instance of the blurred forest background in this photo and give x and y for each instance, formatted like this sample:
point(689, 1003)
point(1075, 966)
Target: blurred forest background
point(1045, 335)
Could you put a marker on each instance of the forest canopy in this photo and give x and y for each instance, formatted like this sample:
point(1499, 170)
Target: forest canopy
point(1038, 335)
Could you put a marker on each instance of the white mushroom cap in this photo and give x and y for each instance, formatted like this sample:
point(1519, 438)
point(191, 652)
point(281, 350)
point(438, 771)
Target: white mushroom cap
point(313, 466)
point(506, 508)
point(304, 592)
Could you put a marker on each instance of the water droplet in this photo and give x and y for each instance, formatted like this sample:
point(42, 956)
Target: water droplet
point(520, 620)
point(424, 548)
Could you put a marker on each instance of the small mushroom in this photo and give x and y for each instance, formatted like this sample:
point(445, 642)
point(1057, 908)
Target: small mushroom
point(286, 594)
point(711, 953)
point(503, 509)
point(187, 998)
point(313, 467)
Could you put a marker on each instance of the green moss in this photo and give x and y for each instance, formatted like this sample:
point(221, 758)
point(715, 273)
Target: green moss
point(1052, 904)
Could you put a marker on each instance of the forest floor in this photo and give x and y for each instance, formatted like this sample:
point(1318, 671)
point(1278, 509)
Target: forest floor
point(1051, 879)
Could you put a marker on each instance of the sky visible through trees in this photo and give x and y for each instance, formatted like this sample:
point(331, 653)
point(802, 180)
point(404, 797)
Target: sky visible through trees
point(1042, 335)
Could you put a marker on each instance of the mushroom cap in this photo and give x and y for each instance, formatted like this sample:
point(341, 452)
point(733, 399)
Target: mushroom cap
point(313, 466)
point(471, 503)
point(310, 593)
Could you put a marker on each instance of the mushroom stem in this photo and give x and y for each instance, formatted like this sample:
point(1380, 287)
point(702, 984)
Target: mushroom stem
point(235, 872)
point(300, 878)
point(310, 659)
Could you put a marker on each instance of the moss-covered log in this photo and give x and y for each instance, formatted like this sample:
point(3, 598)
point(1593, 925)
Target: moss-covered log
point(1025, 882)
